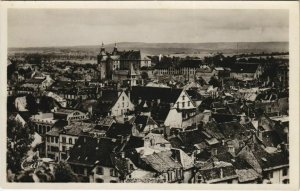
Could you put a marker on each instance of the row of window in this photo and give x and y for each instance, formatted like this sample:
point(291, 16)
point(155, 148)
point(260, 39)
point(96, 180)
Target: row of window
point(52, 139)
point(285, 172)
point(183, 104)
point(76, 118)
point(100, 171)
point(70, 141)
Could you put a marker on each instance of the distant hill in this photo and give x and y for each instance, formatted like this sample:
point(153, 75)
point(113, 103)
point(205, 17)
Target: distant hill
point(172, 48)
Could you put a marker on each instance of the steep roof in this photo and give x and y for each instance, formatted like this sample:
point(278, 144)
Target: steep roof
point(119, 129)
point(244, 67)
point(91, 151)
point(194, 63)
point(218, 171)
point(166, 95)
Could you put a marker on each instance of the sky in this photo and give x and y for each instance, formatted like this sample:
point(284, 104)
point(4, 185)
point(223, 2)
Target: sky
point(71, 27)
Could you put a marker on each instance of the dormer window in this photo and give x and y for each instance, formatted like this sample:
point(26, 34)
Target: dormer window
point(183, 97)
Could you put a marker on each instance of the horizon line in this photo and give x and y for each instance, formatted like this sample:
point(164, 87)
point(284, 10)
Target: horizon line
point(63, 46)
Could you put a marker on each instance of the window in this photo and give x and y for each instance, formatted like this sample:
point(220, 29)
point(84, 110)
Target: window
point(52, 139)
point(99, 170)
point(270, 175)
point(123, 104)
point(64, 148)
point(64, 139)
point(70, 141)
point(75, 141)
point(183, 97)
point(189, 103)
point(113, 181)
point(123, 98)
point(56, 139)
point(183, 104)
point(48, 147)
point(113, 172)
point(99, 180)
point(285, 172)
point(48, 139)
point(131, 167)
point(177, 104)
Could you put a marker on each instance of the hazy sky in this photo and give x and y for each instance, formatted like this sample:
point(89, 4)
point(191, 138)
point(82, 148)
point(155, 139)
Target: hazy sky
point(46, 27)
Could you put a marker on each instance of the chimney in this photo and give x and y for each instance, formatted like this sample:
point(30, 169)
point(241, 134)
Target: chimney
point(214, 151)
point(128, 94)
point(158, 101)
point(221, 173)
point(121, 138)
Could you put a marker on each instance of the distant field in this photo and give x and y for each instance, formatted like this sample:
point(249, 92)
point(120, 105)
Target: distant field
point(200, 49)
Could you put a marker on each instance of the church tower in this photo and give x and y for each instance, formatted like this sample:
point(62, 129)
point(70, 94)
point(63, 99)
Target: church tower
point(101, 62)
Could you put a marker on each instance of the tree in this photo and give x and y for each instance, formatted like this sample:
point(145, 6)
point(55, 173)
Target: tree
point(19, 140)
point(64, 173)
point(46, 104)
point(144, 75)
point(214, 82)
point(31, 105)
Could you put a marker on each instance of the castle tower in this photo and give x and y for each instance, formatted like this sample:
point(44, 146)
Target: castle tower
point(115, 51)
point(101, 62)
point(132, 75)
point(102, 50)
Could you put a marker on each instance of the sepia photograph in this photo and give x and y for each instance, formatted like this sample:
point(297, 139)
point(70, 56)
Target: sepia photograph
point(162, 96)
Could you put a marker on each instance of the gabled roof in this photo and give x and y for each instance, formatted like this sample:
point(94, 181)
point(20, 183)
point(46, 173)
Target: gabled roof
point(244, 67)
point(166, 95)
point(218, 171)
point(270, 160)
point(119, 129)
point(142, 120)
point(194, 95)
point(130, 55)
point(93, 151)
point(212, 129)
point(233, 130)
point(75, 128)
point(195, 63)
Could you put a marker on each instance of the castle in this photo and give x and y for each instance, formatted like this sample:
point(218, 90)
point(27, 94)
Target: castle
point(120, 64)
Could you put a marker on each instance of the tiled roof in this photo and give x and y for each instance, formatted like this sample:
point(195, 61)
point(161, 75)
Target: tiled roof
point(75, 128)
point(190, 63)
point(119, 129)
point(91, 151)
point(166, 95)
point(246, 175)
point(219, 171)
point(212, 129)
point(244, 68)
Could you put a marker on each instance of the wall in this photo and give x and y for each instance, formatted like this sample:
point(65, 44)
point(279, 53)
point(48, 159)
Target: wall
point(106, 176)
point(278, 176)
point(122, 105)
point(184, 102)
point(174, 119)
